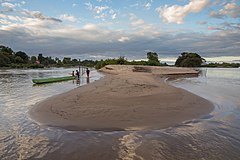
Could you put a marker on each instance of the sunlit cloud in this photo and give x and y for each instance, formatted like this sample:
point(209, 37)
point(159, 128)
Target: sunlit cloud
point(176, 13)
point(68, 17)
point(230, 10)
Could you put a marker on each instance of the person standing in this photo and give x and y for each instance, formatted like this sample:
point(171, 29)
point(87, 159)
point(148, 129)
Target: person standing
point(88, 72)
point(77, 74)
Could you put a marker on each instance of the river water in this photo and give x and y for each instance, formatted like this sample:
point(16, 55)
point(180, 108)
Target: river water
point(214, 136)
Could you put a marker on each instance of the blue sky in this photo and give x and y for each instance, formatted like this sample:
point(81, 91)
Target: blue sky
point(95, 29)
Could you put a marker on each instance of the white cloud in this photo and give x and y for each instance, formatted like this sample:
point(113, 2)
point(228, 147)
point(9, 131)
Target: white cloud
point(100, 9)
point(89, 27)
point(23, 2)
point(176, 14)
point(5, 22)
point(147, 6)
point(123, 39)
point(68, 17)
point(102, 12)
point(74, 4)
point(137, 22)
point(114, 16)
point(9, 17)
point(8, 7)
point(141, 27)
point(230, 10)
point(89, 6)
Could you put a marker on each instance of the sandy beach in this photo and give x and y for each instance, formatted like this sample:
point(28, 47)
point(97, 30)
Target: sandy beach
point(127, 98)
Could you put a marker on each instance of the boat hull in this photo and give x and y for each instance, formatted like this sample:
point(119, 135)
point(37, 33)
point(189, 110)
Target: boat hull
point(52, 80)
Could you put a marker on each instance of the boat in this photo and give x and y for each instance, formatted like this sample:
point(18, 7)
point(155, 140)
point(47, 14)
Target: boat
point(53, 79)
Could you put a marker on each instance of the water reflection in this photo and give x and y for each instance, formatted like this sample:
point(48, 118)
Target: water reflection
point(88, 79)
point(21, 138)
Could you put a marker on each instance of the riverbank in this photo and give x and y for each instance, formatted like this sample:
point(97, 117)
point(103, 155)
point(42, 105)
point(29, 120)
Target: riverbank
point(127, 98)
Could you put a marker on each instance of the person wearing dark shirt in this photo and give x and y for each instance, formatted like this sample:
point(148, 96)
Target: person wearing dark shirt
point(88, 72)
point(77, 74)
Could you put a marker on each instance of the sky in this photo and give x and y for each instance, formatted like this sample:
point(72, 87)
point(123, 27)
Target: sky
point(100, 29)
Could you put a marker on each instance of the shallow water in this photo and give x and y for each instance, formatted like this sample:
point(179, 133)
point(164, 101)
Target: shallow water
point(214, 136)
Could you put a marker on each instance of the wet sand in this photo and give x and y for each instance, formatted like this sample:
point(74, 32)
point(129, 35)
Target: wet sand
point(127, 98)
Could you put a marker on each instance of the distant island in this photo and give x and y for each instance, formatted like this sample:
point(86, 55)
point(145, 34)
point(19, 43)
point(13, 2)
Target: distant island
point(20, 59)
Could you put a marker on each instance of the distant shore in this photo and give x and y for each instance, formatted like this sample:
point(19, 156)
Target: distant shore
point(127, 98)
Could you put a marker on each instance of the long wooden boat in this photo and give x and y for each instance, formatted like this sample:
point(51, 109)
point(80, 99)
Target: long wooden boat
point(52, 80)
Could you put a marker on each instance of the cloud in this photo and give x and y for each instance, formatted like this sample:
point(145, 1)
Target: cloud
point(123, 39)
point(137, 22)
point(102, 12)
point(68, 17)
point(90, 27)
point(134, 5)
point(35, 36)
point(74, 4)
point(141, 27)
point(202, 22)
point(8, 7)
point(230, 10)
point(176, 14)
point(226, 26)
point(39, 15)
point(114, 16)
point(100, 9)
point(214, 28)
point(147, 6)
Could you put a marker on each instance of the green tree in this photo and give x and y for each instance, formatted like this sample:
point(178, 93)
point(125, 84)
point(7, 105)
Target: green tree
point(23, 55)
point(153, 59)
point(121, 60)
point(188, 59)
point(75, 62)
point(6, 49)
point(19, 60)
point(66, 60)
point(40, 57)
point(7, 54)
point(4, 60)
point(100, 64)
point(33, 59)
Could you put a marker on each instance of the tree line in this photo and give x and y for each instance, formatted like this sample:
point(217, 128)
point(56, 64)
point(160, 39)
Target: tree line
point(11, 59)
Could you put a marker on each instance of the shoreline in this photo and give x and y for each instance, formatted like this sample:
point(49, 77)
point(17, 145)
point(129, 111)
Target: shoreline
point(127, 98)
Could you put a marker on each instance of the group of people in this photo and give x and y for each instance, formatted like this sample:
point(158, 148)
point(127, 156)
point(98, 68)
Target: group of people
point(78, 74)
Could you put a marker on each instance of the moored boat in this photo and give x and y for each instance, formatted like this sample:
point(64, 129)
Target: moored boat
point(53, 79)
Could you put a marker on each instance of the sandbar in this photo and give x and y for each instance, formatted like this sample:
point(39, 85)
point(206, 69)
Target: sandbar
point(127, 98)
